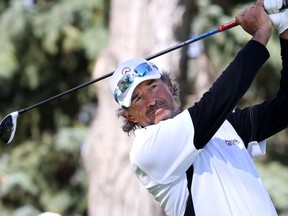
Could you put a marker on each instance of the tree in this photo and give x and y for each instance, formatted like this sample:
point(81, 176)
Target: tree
point(45, 49)
point(137, 28)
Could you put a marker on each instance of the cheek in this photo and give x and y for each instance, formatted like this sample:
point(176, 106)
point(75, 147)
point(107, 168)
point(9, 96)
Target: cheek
point(138, 112)
point(167, 90)
point(142, 119)
point(169, 98)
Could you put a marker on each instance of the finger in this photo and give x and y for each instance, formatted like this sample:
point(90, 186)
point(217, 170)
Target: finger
point(240, 17)
point(259, 3)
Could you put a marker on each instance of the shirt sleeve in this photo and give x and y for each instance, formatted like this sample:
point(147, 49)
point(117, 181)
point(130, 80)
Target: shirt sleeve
point(270, 116)
point(165, 151)
point(214, 107)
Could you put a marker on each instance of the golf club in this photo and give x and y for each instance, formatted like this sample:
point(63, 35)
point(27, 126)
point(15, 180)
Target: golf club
point(9, 123)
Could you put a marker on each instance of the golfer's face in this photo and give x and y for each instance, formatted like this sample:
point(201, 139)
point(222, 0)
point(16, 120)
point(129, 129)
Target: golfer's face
point(152, 102)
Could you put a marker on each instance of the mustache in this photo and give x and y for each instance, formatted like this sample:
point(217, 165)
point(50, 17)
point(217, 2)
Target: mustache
point(158, 104)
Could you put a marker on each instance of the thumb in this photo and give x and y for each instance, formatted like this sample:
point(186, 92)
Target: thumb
point(259, 3)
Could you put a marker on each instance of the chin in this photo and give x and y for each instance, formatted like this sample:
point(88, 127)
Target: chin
point(163, 115)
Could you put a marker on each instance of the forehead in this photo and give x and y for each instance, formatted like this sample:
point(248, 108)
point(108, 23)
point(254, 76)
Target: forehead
point(146, 83)
point(143, 85)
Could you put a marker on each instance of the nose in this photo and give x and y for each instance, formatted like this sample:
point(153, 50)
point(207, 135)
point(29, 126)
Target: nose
point(150, 100)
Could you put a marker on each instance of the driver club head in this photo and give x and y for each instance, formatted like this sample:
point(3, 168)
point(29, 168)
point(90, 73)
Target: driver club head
point(8, 127)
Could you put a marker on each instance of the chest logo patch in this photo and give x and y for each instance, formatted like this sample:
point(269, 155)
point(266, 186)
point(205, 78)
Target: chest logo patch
point(232, 142)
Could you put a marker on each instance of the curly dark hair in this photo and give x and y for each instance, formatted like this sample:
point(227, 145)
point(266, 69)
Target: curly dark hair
point(129, 126)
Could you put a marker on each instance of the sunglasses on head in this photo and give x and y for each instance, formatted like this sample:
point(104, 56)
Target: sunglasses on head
point(127, 80)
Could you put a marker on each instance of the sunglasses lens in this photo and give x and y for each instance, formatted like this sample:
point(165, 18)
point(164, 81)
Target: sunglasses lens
point(6, 129)
point(125, 83)
point(142, 69)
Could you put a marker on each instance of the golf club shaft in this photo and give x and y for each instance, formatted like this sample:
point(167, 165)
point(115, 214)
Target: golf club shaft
point(65, 93)
point(220, 28)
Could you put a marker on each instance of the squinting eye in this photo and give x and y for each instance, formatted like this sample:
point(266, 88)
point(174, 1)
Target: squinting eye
point(153, 86)
point(137, 98)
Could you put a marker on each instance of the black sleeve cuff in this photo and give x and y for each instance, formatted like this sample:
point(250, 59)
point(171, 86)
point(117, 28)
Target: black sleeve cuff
point(284, 53)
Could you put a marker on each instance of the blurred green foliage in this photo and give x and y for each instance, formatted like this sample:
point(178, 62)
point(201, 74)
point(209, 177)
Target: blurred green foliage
point(275, 175)
point(47, 47)
point(44, 175)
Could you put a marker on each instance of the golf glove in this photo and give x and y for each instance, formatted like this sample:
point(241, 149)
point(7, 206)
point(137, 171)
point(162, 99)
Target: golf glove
point(280, 20)
point(274, 6)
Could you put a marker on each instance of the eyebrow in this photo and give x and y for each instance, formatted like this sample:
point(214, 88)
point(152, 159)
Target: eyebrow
point(148, 83)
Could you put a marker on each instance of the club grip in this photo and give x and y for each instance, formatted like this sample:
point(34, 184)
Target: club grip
point(228, 25)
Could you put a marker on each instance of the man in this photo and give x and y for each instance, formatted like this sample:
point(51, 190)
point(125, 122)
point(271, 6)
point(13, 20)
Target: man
point(198, 161)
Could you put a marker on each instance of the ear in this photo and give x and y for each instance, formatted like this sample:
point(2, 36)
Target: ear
point(128, 116)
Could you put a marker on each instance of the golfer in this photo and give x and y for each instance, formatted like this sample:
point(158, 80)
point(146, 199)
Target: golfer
point(198, 161)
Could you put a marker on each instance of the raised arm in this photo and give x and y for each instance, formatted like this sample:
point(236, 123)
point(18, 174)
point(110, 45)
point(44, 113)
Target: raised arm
point(269, 117)
point(216, 104)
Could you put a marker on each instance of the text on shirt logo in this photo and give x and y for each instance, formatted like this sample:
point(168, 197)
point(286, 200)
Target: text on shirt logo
point(232, 142)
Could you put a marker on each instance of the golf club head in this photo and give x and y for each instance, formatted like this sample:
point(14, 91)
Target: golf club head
point(8, 127)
